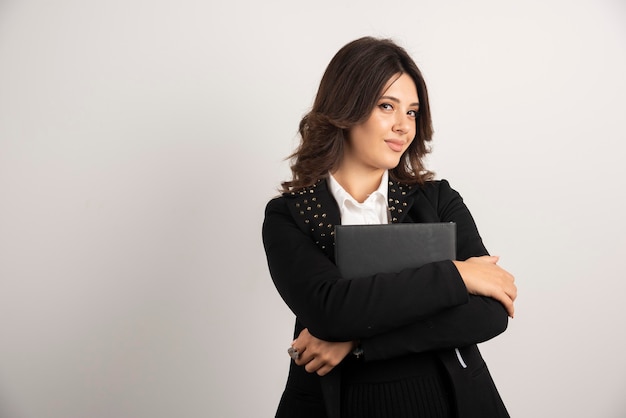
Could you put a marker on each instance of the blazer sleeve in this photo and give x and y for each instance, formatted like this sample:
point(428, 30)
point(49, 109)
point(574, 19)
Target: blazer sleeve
point(337, 309)
point(479, 320)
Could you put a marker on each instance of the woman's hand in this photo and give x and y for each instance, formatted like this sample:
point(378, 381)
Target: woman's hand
point(482, 276)
point(319, 356)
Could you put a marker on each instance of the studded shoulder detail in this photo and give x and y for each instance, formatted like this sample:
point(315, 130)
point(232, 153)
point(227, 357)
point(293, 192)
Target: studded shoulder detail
point(397, 201)
point(316, 212)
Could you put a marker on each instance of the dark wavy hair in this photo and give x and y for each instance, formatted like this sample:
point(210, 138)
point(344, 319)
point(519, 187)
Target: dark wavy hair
point(350, 88)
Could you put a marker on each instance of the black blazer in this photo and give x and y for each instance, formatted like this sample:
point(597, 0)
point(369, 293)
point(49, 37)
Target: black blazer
point(414, 311)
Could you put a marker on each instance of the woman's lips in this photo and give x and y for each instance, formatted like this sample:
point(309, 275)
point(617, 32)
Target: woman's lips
point(395, 145)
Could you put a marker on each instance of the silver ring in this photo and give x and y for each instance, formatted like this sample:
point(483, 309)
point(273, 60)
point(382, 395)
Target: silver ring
point(293, 353)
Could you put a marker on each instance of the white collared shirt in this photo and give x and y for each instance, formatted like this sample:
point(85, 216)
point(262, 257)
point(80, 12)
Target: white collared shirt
point(372, 211)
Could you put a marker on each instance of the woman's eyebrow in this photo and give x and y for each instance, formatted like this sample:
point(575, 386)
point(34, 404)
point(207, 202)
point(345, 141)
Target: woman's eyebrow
point(394, 99)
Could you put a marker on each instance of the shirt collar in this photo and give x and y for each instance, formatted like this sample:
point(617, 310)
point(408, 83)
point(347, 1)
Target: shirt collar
point(341, 195)
point(372, 210)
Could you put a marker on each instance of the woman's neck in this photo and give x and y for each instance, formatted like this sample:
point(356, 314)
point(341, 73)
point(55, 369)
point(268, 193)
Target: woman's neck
point(359, 183)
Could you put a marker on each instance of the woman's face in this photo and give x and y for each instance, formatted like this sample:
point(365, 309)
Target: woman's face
point(379, 142)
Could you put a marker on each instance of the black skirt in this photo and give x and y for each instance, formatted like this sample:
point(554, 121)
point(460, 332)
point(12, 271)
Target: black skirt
point(414, 386)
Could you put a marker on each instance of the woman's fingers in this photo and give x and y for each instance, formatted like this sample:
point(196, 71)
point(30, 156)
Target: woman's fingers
point(320, 365)
point(511, 289)
point(319, 356)
point(505, 292)
point(304, 356)
point(488, 259)
point(482, 276)
point(507, 302)
point(313, 366)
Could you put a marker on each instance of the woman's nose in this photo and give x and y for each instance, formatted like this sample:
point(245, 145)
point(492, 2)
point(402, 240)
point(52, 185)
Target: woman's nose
point(401, 124)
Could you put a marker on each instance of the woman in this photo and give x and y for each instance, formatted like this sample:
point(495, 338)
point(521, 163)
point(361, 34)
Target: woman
point(393, 345)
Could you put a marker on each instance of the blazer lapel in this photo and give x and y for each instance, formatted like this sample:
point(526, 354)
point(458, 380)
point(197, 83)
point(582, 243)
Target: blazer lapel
point(400, 200)
point(316, 213)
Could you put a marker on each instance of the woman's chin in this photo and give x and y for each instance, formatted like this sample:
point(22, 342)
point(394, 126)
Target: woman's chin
point(392, 163)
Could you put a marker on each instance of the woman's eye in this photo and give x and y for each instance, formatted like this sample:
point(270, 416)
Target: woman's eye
point(386, 106)
point(413, 113)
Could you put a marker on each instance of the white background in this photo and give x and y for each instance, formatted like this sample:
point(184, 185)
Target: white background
point(140, 141)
